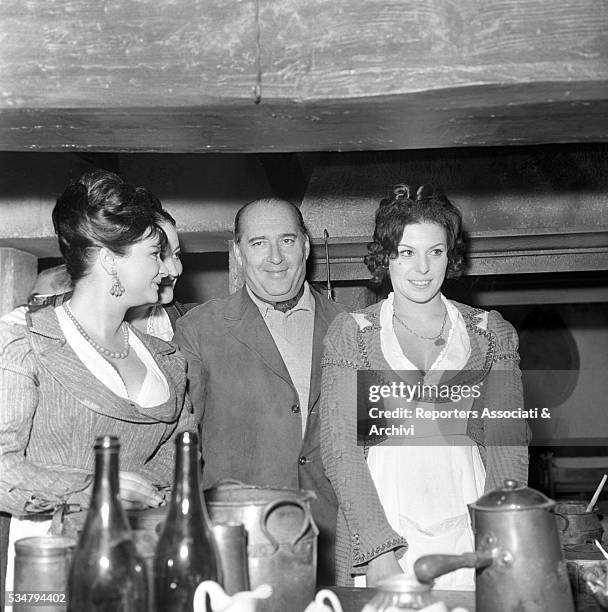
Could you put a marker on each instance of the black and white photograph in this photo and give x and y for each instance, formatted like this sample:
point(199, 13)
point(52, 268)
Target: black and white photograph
point(303, 305)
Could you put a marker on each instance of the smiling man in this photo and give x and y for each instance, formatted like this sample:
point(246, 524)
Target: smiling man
point(254, 366)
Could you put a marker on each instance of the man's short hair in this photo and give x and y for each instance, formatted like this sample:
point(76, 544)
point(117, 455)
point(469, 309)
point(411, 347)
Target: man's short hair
point(238, 232)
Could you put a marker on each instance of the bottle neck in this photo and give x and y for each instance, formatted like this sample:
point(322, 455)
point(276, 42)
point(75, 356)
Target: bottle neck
point(106, 510)
point(186, 499)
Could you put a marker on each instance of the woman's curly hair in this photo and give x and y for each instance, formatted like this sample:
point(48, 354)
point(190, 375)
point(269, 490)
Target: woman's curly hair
point(402, 207)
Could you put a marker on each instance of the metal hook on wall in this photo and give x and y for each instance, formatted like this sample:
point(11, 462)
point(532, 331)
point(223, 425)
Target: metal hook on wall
point(329, 290)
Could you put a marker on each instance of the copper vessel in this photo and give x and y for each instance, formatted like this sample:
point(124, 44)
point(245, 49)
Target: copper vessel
point(519, 562)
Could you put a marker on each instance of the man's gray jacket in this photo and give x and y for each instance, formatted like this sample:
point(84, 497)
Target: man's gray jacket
point(249, 409)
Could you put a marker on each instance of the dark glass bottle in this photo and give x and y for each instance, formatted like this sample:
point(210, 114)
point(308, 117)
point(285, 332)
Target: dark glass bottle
point(106, 574)
point(186, 553)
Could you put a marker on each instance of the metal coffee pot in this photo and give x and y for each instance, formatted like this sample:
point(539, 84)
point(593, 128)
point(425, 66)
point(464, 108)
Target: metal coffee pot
point(518, 560)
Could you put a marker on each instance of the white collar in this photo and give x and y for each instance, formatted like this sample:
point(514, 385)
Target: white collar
point(454, 354)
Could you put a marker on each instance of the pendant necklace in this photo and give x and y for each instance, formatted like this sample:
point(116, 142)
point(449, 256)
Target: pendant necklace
point(101, 349)
point(439, 341)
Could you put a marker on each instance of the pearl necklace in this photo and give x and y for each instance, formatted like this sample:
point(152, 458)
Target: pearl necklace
point(101, 349)
point(439, 341)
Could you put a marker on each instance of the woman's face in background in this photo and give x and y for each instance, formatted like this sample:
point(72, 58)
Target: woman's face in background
point(419, 269)
point(171, 257)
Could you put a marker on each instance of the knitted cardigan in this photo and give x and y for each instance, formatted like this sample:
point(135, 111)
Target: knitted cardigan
point(363, 532)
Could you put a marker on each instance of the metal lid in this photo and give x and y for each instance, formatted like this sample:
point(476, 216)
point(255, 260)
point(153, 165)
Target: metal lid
point(233, 492)
point(400, 583)
point(512, 496)
point(43, 546)
point(230, 530)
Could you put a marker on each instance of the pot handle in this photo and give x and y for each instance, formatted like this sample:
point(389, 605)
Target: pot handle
point(228, 483)
point(281, 502)
point(565, 528)
point(429, 567)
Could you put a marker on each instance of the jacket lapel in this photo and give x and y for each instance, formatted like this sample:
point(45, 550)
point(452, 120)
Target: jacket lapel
point(244, 321)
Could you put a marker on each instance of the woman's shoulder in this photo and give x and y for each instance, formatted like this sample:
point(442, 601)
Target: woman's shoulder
point(15, 346)
point(16, 316)
point(343, 324)
point(493, 321)
point(357, 319)
point(345, 327)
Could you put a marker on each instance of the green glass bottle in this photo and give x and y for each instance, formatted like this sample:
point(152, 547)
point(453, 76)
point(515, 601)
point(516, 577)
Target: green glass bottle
point(106, 574)
point(186, 553)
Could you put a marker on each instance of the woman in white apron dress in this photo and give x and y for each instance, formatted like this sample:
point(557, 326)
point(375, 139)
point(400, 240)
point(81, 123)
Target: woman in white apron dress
point(401, 498)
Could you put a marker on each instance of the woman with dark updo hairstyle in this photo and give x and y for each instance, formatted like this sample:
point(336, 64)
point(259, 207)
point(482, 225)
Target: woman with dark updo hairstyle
point(54, 286)
point(77, 370)
point(404, 473)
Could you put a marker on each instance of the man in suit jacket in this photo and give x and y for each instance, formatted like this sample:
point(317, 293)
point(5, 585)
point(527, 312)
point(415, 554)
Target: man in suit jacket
point(254, 367)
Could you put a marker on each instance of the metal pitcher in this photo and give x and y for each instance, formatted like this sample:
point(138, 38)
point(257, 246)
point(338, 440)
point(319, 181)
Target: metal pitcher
point(281, 539)
point(519, 561)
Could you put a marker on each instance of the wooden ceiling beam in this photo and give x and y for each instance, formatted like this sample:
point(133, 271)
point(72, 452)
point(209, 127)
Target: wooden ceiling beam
point(328, 75)
point(477, 115)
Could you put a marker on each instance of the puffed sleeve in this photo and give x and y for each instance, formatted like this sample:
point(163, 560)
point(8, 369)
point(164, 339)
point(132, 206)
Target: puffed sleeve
point(344, 461)
point(506, 440)
point(24, 486)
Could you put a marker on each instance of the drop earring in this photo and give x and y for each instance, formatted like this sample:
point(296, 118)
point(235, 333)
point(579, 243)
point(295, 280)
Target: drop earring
point(117, 288)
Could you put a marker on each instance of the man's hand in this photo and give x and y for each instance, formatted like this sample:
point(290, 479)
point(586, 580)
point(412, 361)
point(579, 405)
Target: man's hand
point(381, 567)
point(137, 491)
